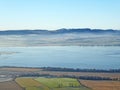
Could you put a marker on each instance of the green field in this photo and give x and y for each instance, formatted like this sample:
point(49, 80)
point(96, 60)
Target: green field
point(70, 88)
point(58, 82)
point(50, 84)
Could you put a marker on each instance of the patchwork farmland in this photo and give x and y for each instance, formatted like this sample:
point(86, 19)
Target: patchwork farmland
point(38, 79)
point(50, 84)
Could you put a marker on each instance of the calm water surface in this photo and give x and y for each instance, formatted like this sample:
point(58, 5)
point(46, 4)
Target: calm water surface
point(61, 56)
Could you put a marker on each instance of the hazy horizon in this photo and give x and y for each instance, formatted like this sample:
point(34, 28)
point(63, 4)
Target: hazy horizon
point(58, 29)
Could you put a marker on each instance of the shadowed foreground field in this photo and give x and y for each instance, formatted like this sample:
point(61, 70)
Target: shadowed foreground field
point(10, 85)
point(101, 85)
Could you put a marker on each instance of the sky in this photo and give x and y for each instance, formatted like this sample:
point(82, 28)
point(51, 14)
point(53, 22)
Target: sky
point(56, 14)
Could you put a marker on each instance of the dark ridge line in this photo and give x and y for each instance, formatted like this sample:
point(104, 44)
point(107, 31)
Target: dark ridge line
point(59, 31)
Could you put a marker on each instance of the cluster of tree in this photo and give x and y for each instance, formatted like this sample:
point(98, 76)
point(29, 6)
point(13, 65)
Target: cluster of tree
point(92, 78)
point(33, 75)
point(80, 70)
point(36, 75)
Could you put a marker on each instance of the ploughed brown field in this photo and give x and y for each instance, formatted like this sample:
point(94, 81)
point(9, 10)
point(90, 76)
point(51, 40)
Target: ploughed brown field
point(10, 85)
point(101, 85)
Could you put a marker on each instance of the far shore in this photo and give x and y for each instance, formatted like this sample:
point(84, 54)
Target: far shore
point(63, 69)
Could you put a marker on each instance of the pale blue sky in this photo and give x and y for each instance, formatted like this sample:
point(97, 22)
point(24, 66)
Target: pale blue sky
point(55, 14)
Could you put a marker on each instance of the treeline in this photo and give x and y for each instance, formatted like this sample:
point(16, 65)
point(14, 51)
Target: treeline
point(92, 78)
point(97, 78)
point(35, 75)
point(69, 76)
point(80, 70)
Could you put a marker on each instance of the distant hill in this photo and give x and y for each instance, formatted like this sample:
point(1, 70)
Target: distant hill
point(60, 37)
point(60, 31)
